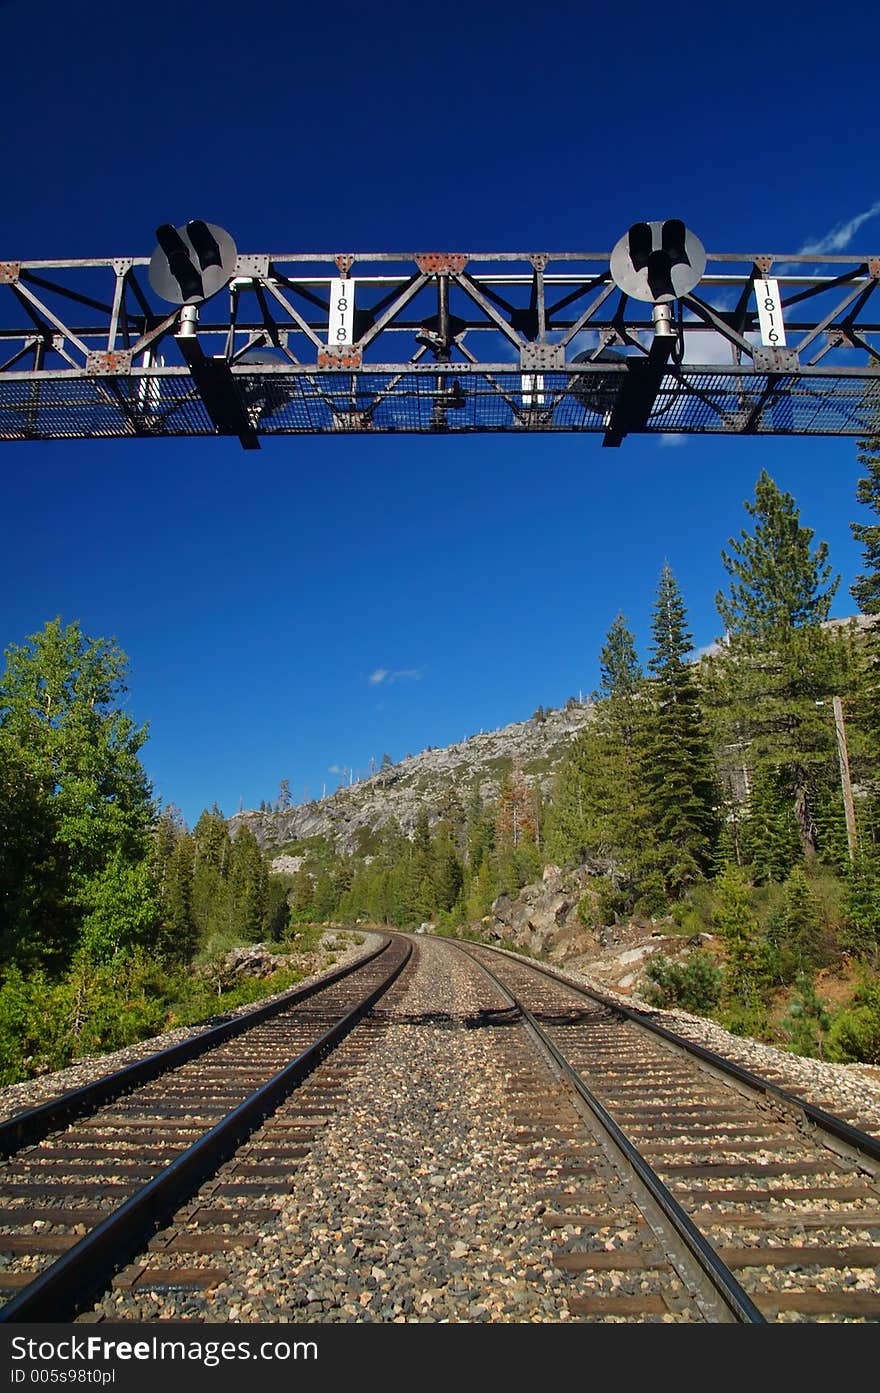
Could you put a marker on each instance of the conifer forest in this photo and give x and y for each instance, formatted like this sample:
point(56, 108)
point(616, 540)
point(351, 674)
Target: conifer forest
point(734, 795)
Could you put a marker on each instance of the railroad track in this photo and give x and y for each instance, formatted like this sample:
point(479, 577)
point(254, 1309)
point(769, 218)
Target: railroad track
point(681, 1186)
point(92, 1177)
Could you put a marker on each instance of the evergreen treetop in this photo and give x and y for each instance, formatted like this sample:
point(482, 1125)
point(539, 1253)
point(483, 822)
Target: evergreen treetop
point(619, 666)
point(866, 589)
point(778, 581)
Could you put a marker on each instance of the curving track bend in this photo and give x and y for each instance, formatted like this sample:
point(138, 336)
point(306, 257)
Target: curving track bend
point(440, 1131)
point(90, 1176)
point(768, 1210)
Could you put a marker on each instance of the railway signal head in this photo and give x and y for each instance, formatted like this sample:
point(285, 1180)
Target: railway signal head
point(658, 261)
point(191, 263)
point(269, 392)
point(597, 392)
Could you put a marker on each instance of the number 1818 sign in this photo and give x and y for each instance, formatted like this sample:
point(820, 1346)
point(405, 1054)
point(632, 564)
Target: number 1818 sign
point(770, 313)
point(341, 326)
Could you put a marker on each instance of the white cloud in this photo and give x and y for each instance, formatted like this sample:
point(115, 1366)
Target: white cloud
point(335, 769)
point(710, 347)
point(708, 650)
point(668, 441)
point(384, 674)
point(840, 236)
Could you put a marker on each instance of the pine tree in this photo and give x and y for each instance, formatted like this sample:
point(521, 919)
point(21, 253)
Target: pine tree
point(777, 662)
point(325, 897)
point(178, 936)
point(796, 929)
point(514, 819)
point(515, 860)
point(598, 809)
point(303, 894)
point(621, 677)
point(861, 907)
point(866, 588)
point(748, 979)
point(249, 885)
point(778, 583)
point(212, 853)
point(448, 876)
point(479, 833)
point(482, 891)
point(679, 775)
point(866, 592)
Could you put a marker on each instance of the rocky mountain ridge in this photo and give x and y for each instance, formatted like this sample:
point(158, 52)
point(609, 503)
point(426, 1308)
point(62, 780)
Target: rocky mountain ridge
point(534, 747)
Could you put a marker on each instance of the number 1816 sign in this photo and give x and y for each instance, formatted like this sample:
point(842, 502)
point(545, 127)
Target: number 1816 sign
point(770, 313)
point(341, 325)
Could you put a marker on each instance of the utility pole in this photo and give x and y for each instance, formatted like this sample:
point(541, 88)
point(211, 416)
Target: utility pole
point(844, 777)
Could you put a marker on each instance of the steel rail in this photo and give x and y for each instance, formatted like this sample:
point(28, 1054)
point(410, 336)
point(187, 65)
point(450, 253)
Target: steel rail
point(32, 1125)
point(852, 1137)
point(70, 1285)
point(735, 1300)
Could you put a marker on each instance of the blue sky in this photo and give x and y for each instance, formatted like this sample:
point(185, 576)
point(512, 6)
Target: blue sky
point(298, 611)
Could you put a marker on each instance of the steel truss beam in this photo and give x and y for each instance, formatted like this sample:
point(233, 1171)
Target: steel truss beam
point(499, 341)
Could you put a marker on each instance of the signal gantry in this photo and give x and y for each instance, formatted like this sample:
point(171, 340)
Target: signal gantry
point(657, 336)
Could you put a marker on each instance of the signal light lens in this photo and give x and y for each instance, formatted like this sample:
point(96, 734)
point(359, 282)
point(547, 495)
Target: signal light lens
point(179, 263)
point(204, 244)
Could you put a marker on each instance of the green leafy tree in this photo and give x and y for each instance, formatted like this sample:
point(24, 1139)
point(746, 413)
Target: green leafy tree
point(620, 676)
point(35, 919)
point(324, 897)
point(124, 911)
point(64, 731)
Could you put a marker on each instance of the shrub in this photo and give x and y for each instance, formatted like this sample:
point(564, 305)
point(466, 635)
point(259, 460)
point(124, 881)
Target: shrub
point(746, 1018)
point(854, 1036)
point(806, 1021)
point(694, 985)
point(861, 907)
point(652, 897)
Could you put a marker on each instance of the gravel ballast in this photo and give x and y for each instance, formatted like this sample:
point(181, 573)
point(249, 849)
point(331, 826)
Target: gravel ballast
point(415, 1202)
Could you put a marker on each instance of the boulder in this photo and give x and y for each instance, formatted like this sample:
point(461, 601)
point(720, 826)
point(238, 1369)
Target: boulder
point(543, 918)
